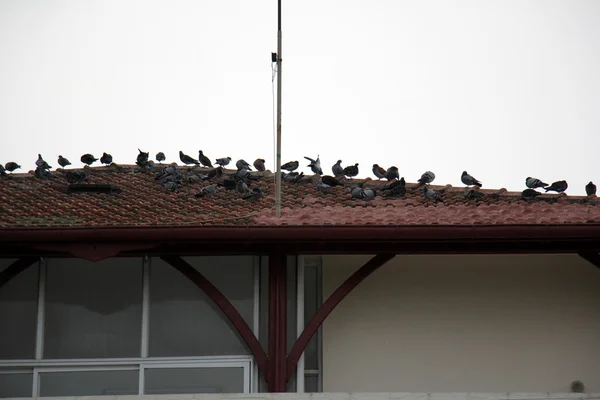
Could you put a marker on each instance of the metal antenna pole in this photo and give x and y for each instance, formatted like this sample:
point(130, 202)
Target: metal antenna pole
point(278, 154)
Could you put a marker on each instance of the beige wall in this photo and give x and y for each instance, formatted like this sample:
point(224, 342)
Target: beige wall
point(514, 323)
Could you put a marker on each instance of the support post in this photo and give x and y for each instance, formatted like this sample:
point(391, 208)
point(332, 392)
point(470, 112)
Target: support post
point(277, 381)
point(278, 151)
point(16, 268)
point(336, 297)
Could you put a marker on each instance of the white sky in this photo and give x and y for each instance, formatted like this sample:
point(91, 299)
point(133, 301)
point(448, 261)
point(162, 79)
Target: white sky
point(504, 89)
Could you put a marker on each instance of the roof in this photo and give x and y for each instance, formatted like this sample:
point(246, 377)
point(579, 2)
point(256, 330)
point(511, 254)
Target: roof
point(29, 202)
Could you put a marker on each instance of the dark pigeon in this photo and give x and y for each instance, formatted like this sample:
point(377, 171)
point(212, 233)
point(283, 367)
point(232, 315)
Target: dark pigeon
point(290, 166)
point(160, 156)
point(558, 187)
point(41, 163)
point(88, 159)
point(293, 177)
point(254, 195)
point(205, 161)
point(378, 171)
point(259, 164)
point(323, 187)
point(392, 173)
point(11, 166)
point(213, 173)
point(363, 194)
point(106, 158)
point(241, 187)
point(331, 181)
point(240, 164)
point(533, 183)
point(590, 188)
point(426, 178)
point(337, 169)
point(229, 184)
point(223, 161)
point(351, 170)
point(43, 173)
point(142, 157)
point(63, 162)
point(170, 178)
point(431, 194)
point(2, 170)
point(187, 160)
point(242, 174)
point(75, 176)
point(315, 165)
point(469, 180)
point(473, 194)
point(193, 178)
point(205, 191)
point(529, 194)
point(396, 188)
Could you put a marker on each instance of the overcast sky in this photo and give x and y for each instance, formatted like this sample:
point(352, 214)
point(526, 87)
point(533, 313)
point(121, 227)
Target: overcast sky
point(504, 89)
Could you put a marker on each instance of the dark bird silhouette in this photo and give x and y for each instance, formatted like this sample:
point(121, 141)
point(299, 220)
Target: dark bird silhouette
point(378, 171)
point(533, 183)
point(63, 162)
point(331, 181)
point(205, 191)
point(229, 184)
point(351, 170)
point(204, 160)
point(558, 187)
point(293, 177)
point(223, 161)
point(590, 188)
point(160, 156)
point(392, 173)
point(431, 194)
point(337, 169)
point(254, 195)
point(529, 194)
point(290, 166)
point(259, 164)
point(106, 158)
point(88, 159)
point(43, 173)
point(396, 188)
point(41, 163)
point(187, 160)
point(241, 164)
point(315, 165)
point(213, 173)
point(11, 166)
point(426, 178)
point(75, 176)
point(2, 170)
point(469, 180)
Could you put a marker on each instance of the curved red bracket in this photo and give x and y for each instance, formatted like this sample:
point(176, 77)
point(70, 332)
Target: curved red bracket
point(225, 305)
point(329, 305)
point(16, 268)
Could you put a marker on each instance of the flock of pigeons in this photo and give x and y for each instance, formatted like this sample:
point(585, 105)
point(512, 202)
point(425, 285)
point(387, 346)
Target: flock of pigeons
point(171, 177)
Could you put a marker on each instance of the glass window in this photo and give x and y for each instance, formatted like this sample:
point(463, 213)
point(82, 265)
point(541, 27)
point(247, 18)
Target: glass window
point(89, 383)
point(194, 380)
point(311, 384)
point(311, 306)
point(16, 384)
point(93, 310)
point(184, 321)
point(18, 309)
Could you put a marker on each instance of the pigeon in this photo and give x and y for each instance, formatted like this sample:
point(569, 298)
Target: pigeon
point(293, 177)
point(41, 163)
point(170, 178)
point(205, 161)
point(431, 194)
point(337, 169)
point(529, 194)
point(315, 165)
point(426, 178)
point(223, 161)
point(88, 159)
point(259, 164)
point(363, 194)
point(396, 188)
point(533, 183)
point(63, 162)
point(472, 194)
point(187, 160)
point(590, 188)
point(142, 158)
point(331, 181)
point(229, 184)
point(290, 166)
point(351, 170)
point(11, 166)
point(106, 159)
point(392, 173)
point(193, 178)
point(2, 170)
point(323, 187)
point(558, 187)
point(75, 176)
point(42, 173)
point(150, 164)
point(240, 164)
point(213, 173)
point(205, 191)
point(469, 180)
point(242, 174)
point(241, 187)
point(254, 195)
point(378, 171)
point(160, 156)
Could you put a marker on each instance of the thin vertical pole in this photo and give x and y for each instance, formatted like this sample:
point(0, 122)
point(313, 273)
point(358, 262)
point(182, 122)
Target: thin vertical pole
point(278, 153)
point(277, 345)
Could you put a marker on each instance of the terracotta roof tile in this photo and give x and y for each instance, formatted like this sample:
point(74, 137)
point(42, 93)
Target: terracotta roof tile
point(27, 202)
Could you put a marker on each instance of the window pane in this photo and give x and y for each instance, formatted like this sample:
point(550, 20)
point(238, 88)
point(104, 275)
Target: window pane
point(16, 385)
point(184, 321)
point(89, 383)
point(93, 310)
point(311, 384)
point(18, 309)
point(311, 306)
point(194, 380)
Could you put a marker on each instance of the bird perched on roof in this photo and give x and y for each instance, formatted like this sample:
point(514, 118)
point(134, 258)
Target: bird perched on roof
point(323, 187)
point(426, 178)
point(293, 177)
point(160, 156)
point(331, 181)
point(205, 191)
point(223, 161)
point(396, 188)
point(242, 174)
point(472, 194)
point(533, 183)
point(254, 195)
point(43, 173)
point(241, 163)
point(590, 188)
point(241, 187)
point(337, 169)
point(363, 194)
point(142, 159)
point(106, 158)
point(529, 194)
point(88, 159)
point(213, 173)
point(259, 164)
point(11, 166)
point(392, 173)
point(558, 187)
point(431, 194)
point(378, 171)
point(75, 176)
point(469, 180)
point(2, 170)
point(315, 165)
point(351, 170)
point(229, 184)
point(290, 166)
point(205, 161)
point(41, 163)
point(63, 162)
point(187, 160)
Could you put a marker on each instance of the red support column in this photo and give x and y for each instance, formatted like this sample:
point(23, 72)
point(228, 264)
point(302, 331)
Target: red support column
point(16, 268)
point(277, 380)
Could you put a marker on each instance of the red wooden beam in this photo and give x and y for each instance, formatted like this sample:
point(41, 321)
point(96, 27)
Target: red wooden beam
point(329, 305)
point(591, 257)
point(16, 268)
point(277, 381)
point(225, 305)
